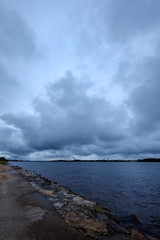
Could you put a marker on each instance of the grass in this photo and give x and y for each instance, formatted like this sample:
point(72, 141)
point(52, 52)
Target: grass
point(3, 161)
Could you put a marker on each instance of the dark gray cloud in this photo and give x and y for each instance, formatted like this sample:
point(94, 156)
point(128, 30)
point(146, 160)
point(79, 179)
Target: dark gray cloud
point(16, 38)
point(11, 141)
point(17, 45)
point(73, 116)
point(8, 88)
point(71, 119)
point(144, 100)
point(126, 20)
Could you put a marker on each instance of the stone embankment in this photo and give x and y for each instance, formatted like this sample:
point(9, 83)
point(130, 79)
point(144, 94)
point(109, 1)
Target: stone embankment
point(32, 207)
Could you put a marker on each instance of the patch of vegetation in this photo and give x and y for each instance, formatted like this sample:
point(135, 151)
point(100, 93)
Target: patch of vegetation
point(3, 160)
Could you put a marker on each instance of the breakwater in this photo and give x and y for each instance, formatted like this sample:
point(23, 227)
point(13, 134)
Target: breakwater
point(125, 188)
point(33, 207)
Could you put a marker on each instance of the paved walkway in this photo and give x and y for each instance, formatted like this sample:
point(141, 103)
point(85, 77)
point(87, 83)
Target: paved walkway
point(26, 215)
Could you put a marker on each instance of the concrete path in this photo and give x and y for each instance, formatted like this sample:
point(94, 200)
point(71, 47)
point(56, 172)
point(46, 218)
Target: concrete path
point(27, 215)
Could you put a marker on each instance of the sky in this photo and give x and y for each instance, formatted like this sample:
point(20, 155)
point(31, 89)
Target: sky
point(79, 79)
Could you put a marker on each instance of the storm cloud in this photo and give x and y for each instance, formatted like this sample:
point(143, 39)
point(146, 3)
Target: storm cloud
point(71, 118)
point(144, 100)
point(82, 81)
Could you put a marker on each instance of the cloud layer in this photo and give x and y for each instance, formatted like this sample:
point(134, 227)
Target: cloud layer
point(91, 91)
point(71, 119)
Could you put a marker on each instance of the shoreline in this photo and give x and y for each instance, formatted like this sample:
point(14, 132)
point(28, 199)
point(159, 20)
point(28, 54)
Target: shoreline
point(88, 218)
point(77, 160)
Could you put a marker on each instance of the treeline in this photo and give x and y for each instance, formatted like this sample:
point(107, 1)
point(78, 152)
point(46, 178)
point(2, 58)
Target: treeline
point(149, 160)
point(3, 160)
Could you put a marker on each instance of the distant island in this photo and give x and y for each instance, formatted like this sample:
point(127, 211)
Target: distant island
point(4, 160)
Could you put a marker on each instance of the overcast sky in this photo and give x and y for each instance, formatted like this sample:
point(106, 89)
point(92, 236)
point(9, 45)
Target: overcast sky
point(79, 79)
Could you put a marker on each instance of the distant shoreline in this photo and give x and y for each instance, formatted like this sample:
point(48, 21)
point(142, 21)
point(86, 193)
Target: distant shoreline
point(77, 160)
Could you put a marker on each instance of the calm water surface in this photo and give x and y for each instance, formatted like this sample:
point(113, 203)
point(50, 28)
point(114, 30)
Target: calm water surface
point(125, 188)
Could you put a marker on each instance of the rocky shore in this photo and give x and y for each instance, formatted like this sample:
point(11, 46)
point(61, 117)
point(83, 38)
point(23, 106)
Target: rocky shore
point(32, 207)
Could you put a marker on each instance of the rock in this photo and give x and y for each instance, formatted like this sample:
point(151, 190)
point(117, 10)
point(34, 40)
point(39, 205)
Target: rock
point(82, 202)
point(59, 205)
point(89, 217)
point(135, 219)
point(46, 191)
point(88, 225)
point(137, 235)
point(35, 185)
point(129, 227)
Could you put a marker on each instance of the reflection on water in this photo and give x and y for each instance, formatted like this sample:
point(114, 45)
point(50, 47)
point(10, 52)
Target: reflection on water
point(125, 188)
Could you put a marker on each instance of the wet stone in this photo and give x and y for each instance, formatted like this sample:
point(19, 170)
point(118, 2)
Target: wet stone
point(81, 202)
point(35, 185)
point(53, 199)
point(90, 226)
point(59, 204)
point(59, 195)
point(137, 235)
point(135, 219)
point(102, 217)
